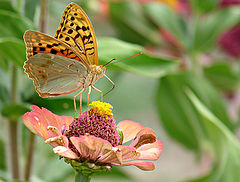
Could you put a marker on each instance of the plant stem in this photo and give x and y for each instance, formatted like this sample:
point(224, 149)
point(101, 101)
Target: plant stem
point(44, 14)
point(13, 127)
point(82, 177)
point(13, 124)
point(13, 133)
point(43, 25)
point(13, 96)
point(29, 156)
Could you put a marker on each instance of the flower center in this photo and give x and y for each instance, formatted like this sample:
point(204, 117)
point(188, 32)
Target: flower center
point(101, 108)
point(98, 121)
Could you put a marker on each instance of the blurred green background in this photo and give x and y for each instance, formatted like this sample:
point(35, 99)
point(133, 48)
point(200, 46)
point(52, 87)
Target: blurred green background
point(185, 85)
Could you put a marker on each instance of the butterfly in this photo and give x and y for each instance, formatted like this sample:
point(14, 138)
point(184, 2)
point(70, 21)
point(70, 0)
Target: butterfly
point(66, 62)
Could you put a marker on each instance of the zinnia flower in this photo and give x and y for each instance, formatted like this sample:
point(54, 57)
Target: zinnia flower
point(92, 141)
point(225, 3)
point(230, 41)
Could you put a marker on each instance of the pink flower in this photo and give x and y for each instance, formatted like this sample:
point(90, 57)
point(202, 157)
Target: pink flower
point(184, 7)
point(225, 3)
point(94, 139)
point(230, 41)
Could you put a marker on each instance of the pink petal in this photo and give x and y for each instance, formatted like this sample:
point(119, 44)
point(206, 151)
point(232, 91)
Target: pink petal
point(65, 152)
point(114, 156)
point(58, 141)
point(151, 151)
point(128, 153)
point(144, 165)
point(91, 147)
point(145, 136)
point(129, 129)
point(42, 122)
point(94, 148)
point(33, 123)
point(57, 121)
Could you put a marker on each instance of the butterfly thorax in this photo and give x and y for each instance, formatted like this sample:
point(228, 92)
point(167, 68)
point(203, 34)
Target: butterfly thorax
point(96, 72)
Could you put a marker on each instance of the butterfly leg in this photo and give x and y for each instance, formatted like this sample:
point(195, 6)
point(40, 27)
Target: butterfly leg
point(99, 92)
point(80, 101)
point(89, 92)
point(74, 99)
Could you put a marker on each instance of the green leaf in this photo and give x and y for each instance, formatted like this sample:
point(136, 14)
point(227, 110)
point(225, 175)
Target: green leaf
point(131, 24)
point(4, 63)
point(225, 145)
point(204, 6)
point(12, 49)
point(30, 8)
point(3, 179)
point(144, 64)
point(14, 111)
point(208, 28)
point(13, 25)
point(179, 117)
point(222, 76)
point(59, 105)
point(168, 19)
point(7, 5)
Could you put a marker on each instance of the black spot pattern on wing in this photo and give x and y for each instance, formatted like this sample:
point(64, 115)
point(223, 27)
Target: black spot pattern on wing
point(42, 49)
point(37, 42)
point(76, 30)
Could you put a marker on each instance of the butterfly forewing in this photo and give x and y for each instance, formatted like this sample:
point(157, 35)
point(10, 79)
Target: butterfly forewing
point(55, 75)
point(76, 30)
point(37, 42)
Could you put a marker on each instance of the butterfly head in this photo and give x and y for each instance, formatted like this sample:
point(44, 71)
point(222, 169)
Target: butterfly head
point(100, 71)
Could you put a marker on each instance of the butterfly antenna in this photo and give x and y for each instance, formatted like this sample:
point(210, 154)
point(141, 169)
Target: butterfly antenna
point(110, 62)
point(112, 85)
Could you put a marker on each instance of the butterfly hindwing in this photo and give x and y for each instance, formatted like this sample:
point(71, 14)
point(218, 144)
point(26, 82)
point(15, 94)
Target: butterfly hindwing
point(76, 30)
point(55, 75)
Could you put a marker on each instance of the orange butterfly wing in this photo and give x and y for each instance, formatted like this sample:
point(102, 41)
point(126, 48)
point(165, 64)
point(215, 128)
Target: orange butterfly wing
point(37, 42)
point(75, 39)
point(76, 30)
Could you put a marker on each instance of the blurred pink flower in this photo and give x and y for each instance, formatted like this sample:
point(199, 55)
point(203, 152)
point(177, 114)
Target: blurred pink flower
point(94, 138)
point(230, 41)
point(184, 7)
point(225, 3)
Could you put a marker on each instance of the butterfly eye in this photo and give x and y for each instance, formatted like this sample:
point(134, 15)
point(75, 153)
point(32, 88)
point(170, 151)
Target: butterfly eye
point(99, 70)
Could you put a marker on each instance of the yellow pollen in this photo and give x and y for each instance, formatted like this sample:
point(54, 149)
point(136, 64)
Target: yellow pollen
point(102, 108)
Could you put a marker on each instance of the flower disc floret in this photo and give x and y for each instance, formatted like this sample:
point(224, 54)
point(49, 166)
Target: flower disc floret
point(101, 108)
point(98, 121)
